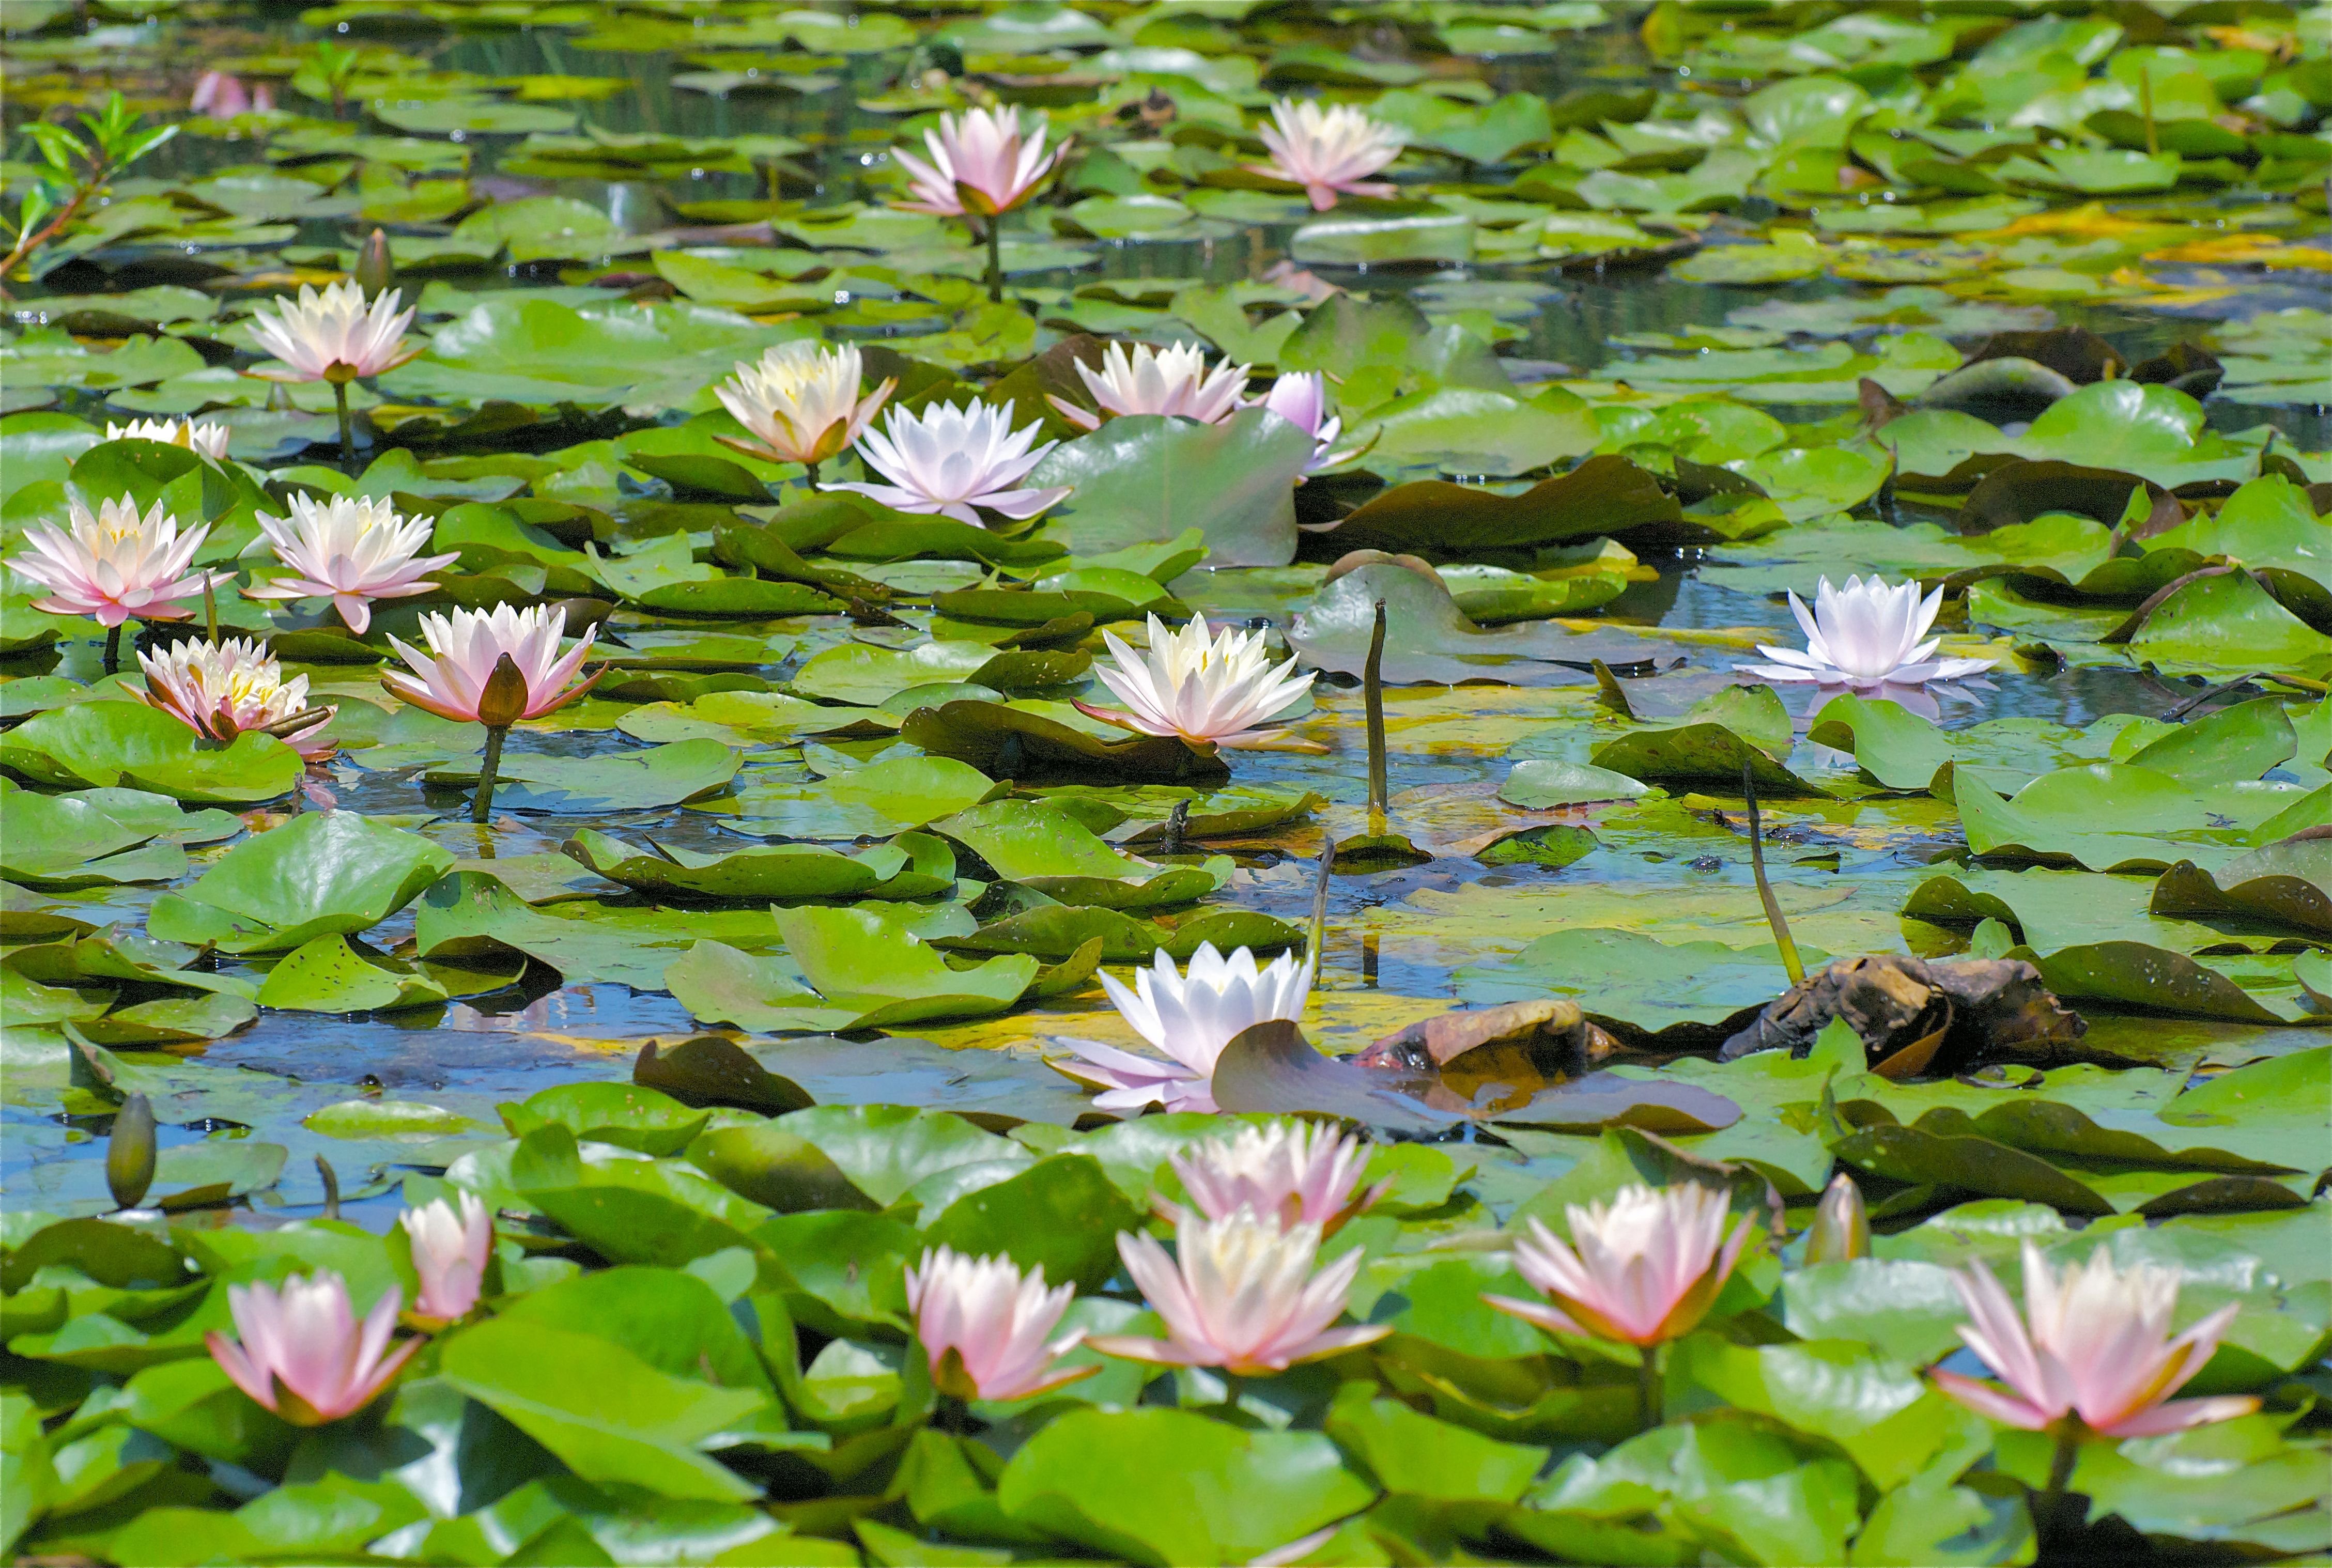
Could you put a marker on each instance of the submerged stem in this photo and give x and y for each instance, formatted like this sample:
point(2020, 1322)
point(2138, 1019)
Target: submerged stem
point(484, 801)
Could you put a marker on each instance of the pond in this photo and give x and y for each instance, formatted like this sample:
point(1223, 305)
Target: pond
point(803, 938)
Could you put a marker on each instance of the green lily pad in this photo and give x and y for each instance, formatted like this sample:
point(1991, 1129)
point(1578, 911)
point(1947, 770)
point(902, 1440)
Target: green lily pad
point(321, 874)
point(913, 865)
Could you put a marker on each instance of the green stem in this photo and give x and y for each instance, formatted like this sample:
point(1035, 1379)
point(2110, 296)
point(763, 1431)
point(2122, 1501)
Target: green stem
point(812, 469)
point(1648, 1386)
point(484, 802)
point(2050, 1502)
point(1791, 962)
point(348, 438)
point(113, 648)
point(1372, 703)
point(996, 259)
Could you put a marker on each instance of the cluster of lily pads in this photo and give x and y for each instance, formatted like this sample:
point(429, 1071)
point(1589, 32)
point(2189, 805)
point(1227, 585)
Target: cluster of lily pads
point(1729, 943)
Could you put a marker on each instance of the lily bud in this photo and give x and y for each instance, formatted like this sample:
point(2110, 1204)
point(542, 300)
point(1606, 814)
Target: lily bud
point(503, 702)
point(129, 1156)
point(1841, 1226)
point(373, 270)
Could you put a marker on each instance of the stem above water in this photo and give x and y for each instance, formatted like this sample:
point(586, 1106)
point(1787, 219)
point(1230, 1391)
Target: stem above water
point(1372, 702)
point(341, 403)
point(2050, 1504)
point(996, 259)
point(1647, 1386)
point(484, 800)
point(811, 468)
point(113, 648)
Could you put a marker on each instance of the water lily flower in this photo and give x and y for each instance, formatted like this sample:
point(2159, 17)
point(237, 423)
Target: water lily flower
point(1329, 152)
point(492, 667)
point(450, 1248)
point(1841, 1228)
point(1190, 1017)
point(351, 549)
point(303, 1355)
point(1865, 636)
point(1147, 380)
point(114, 565)
point(207, 437)
point(221, 95)
point(2092, 1354)
point(1301, 398)
point(981, 166)
point(1302, 1174)
point(800, 404)
point(1211, 689)
point(1648, 1264)
point(220, 689)
point(982, 1325)
point(1241, 1296)
point(333, 337)
point(952, 461)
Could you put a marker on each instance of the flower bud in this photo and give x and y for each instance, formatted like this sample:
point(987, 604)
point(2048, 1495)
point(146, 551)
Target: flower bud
point(373, 270)
point(1841, 1226)
point(503, 702)
point(130, 1155)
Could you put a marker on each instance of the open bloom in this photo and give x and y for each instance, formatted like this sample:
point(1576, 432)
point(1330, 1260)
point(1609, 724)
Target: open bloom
point(468, 645)
point(114, 564)
point(981, 163)
point(450, 1247)
point(1190, 1017)
point(351, 549)
point(1242, 1296)
point(1147, 380)
point(1301, 398)
point(1648, 1264)
point(2094, 1344)
point(303, 1355)
point(1209, 689)
point(332, 336)
point(221, 690)
point(1864, 635)
point(206, 436)
point(1329, 152)
point(1300, 1174)
point(222, 95)
point(982, 1323)
point(801, 402)
point(952, 461)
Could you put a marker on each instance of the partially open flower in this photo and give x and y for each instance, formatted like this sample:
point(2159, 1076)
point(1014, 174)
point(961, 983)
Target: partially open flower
point(303, 1355)
point(1146, 380)
point(981, 163)
point(1301, 398)
point(332, 336)
point(114, 564)
point(206, 436)
point(467, 646)
point(2094, 1348)
point(1302, 1174)
point(1647, 1267)
point(223, 96)
point(221, 690)
point(1211, 689)
point(352, 549)
point(982, 1325)
point(1190, 1019)
point(1241, 1296)
point(800, 403)
point(1329, 152)
point(954, 461)
point(1865, 636)
point(450, 1250)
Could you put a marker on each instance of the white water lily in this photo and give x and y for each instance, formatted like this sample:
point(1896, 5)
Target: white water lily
point(1192, 1017)
point(332, 336)
point(800, 403)
point(206, 436)
point(1147, 380)
point(1330, 152)
point(1211, 689)
point(1864, 635)
point(221, 690)
point(1301, 398)
point(351, 550)
point(953, 460)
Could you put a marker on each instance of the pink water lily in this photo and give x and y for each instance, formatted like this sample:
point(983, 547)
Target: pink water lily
point(1242, 1294)
point(451, 1246)
point(981, 164)
point(1299, 1173)
point(1301, 398)
point(303, 1355)
point(1330, 152)
point(1643, 1268)
point(450, 680)
point(221, 690)
point(351, 550)
point(2092, 1354)
point(1190, 1019)
point(955, 461)
point(1143, 379)
point(114, 564)
point(983, 1326)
